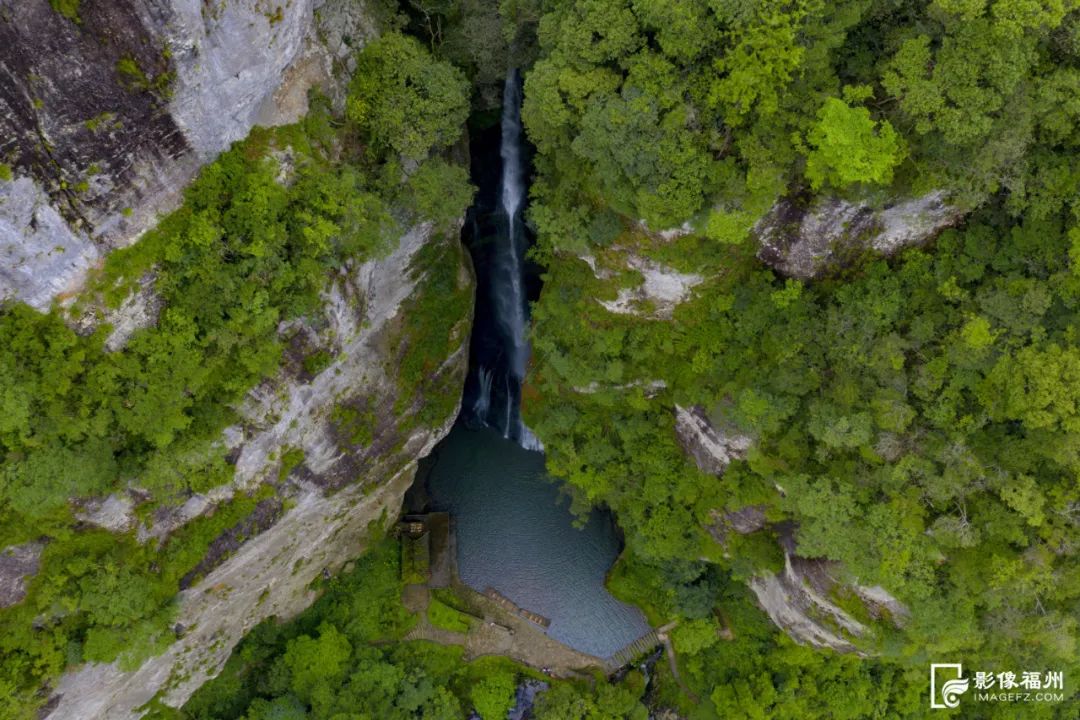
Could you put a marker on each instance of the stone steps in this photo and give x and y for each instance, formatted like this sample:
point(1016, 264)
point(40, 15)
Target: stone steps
point(628, 654)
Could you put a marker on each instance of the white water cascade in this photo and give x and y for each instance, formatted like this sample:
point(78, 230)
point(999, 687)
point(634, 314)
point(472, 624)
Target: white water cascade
point(510, 295)
point(483, 398)
point(508, 287)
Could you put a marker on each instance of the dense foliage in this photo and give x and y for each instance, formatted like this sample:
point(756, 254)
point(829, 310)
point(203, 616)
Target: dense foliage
point(260, 231)
point(662, 110)
point(345, 658)
point(914, 420)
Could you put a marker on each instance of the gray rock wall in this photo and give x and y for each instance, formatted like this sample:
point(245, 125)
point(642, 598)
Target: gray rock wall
point(105, 120)
point(808, 239)
point(230, 57)
point(41, 257)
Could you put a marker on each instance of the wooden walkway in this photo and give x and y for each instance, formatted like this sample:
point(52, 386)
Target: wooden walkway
point(510, 606)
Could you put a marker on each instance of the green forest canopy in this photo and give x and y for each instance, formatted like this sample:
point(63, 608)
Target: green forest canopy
point(914, 419)
point(919, 413)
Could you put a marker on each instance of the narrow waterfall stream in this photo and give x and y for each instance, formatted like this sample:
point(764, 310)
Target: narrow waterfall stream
point(499, 241)
point(514, 531)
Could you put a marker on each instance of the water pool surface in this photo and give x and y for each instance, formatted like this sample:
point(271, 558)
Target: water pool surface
point(515, 533)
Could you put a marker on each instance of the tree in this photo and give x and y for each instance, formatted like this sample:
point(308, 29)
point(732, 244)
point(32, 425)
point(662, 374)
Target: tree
point(405, 100)
point(315, 661)
point(440, 192)
point(693, 636)
point(493, 695)
point(849, 147)
point(566, 701)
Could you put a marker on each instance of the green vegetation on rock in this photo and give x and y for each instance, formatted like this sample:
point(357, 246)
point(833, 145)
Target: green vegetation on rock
point(911, 420)
point(67, 8)
point(443, 616)
point(260, 232)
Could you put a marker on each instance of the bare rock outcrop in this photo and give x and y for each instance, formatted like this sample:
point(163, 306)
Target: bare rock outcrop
point(41, 257)
point(799, 599)
point(661, 289)
point(114, 513)
point(808, 239)
point(18, 563)
point(711, 448)
point(105, 117)
point(796, 600)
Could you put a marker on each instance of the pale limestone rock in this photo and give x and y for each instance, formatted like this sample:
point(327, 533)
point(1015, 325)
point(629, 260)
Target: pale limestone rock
point(810, 241)
point(669, 234)
point(745, 520)
point(41, 257)
point(912, 222)
point(137, 311)
point(319, 532)
point(229, 58)
point(18, 563)
point(168, 519)
point(109, 160)
point(336, 494)
point(290, 412)
point(711, 448)
point(300, 410)
point(795, 600)
point(662, 289)
point(649, 388)
point(114, 513)
point(880, 601)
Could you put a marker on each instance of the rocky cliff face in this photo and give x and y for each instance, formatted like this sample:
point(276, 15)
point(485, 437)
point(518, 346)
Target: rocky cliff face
point(802, 600)
point(809, 238)
point(105, 116)
point(801, 597)
point(331, 504)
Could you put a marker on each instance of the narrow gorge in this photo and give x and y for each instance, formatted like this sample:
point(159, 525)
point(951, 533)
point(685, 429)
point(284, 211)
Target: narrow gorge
point(539, 359)
point(512, 530)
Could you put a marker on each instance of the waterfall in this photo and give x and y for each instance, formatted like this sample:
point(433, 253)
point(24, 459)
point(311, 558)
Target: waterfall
point(527, 439)
point(500, 348)
point(513, 186)
point(483, 397)
point(509, 402)
point(511, 297)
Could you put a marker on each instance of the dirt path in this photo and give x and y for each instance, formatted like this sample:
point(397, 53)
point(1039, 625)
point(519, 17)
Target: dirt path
point(664, 633)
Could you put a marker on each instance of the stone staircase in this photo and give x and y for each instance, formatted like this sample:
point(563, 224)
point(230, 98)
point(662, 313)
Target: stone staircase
point(634, 650)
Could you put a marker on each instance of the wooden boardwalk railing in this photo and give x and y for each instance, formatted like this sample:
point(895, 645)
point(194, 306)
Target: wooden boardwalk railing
point(509, 605)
